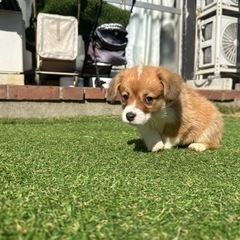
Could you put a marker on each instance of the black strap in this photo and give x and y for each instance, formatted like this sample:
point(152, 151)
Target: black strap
point(97, 81)
point(97, 16)
point(133, 3)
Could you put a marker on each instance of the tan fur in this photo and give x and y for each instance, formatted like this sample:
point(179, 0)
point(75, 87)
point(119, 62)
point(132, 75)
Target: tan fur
point(178, 114)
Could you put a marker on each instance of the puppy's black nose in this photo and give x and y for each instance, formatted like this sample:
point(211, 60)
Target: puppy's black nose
point(130, 116)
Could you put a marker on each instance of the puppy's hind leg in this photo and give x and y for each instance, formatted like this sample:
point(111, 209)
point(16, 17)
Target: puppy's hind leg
point(210, 137)
point(198, 147)
point(208, 140)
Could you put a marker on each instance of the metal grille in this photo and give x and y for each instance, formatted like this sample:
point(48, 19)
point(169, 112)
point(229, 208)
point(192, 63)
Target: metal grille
point(235, 1)
point(230, 43)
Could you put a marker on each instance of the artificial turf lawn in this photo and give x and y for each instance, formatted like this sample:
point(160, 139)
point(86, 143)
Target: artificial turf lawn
point(91, 178)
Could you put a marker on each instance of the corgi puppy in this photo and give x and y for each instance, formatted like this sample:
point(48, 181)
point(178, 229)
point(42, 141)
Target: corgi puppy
point(165, 110)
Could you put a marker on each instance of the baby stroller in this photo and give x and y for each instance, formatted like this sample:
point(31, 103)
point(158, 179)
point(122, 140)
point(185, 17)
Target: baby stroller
point(105, 50)
point(57, 46)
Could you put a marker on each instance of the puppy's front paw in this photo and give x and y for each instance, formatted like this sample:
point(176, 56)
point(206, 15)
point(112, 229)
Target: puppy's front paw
point(198, 147)
point(158, 147)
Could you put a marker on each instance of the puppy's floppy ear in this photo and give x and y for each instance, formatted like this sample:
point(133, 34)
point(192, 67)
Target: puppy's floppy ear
point(114, 85)
point(172, 83)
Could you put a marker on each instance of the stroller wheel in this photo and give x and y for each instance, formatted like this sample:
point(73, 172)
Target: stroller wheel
point(37, 79)
point(75, 81)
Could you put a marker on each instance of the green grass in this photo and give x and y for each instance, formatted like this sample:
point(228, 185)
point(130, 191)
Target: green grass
point(91, 178)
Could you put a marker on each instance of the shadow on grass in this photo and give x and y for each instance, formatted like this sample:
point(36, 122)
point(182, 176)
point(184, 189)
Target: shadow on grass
point(139, 145)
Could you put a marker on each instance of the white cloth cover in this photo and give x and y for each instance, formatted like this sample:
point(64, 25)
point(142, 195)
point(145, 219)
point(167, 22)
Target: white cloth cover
point(57, 36)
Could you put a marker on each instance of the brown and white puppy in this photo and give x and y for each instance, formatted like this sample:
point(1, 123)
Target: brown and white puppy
point(166, 112)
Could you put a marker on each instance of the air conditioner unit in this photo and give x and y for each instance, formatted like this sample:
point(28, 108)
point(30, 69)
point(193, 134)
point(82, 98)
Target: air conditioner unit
point(219, 42)
point(209, 3)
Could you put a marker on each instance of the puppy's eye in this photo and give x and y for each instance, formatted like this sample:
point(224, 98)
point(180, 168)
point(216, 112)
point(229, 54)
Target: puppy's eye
point(148, 100)
point(125, 96)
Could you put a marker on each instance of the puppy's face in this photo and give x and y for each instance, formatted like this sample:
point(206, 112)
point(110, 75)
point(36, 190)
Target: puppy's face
point(144, 90)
